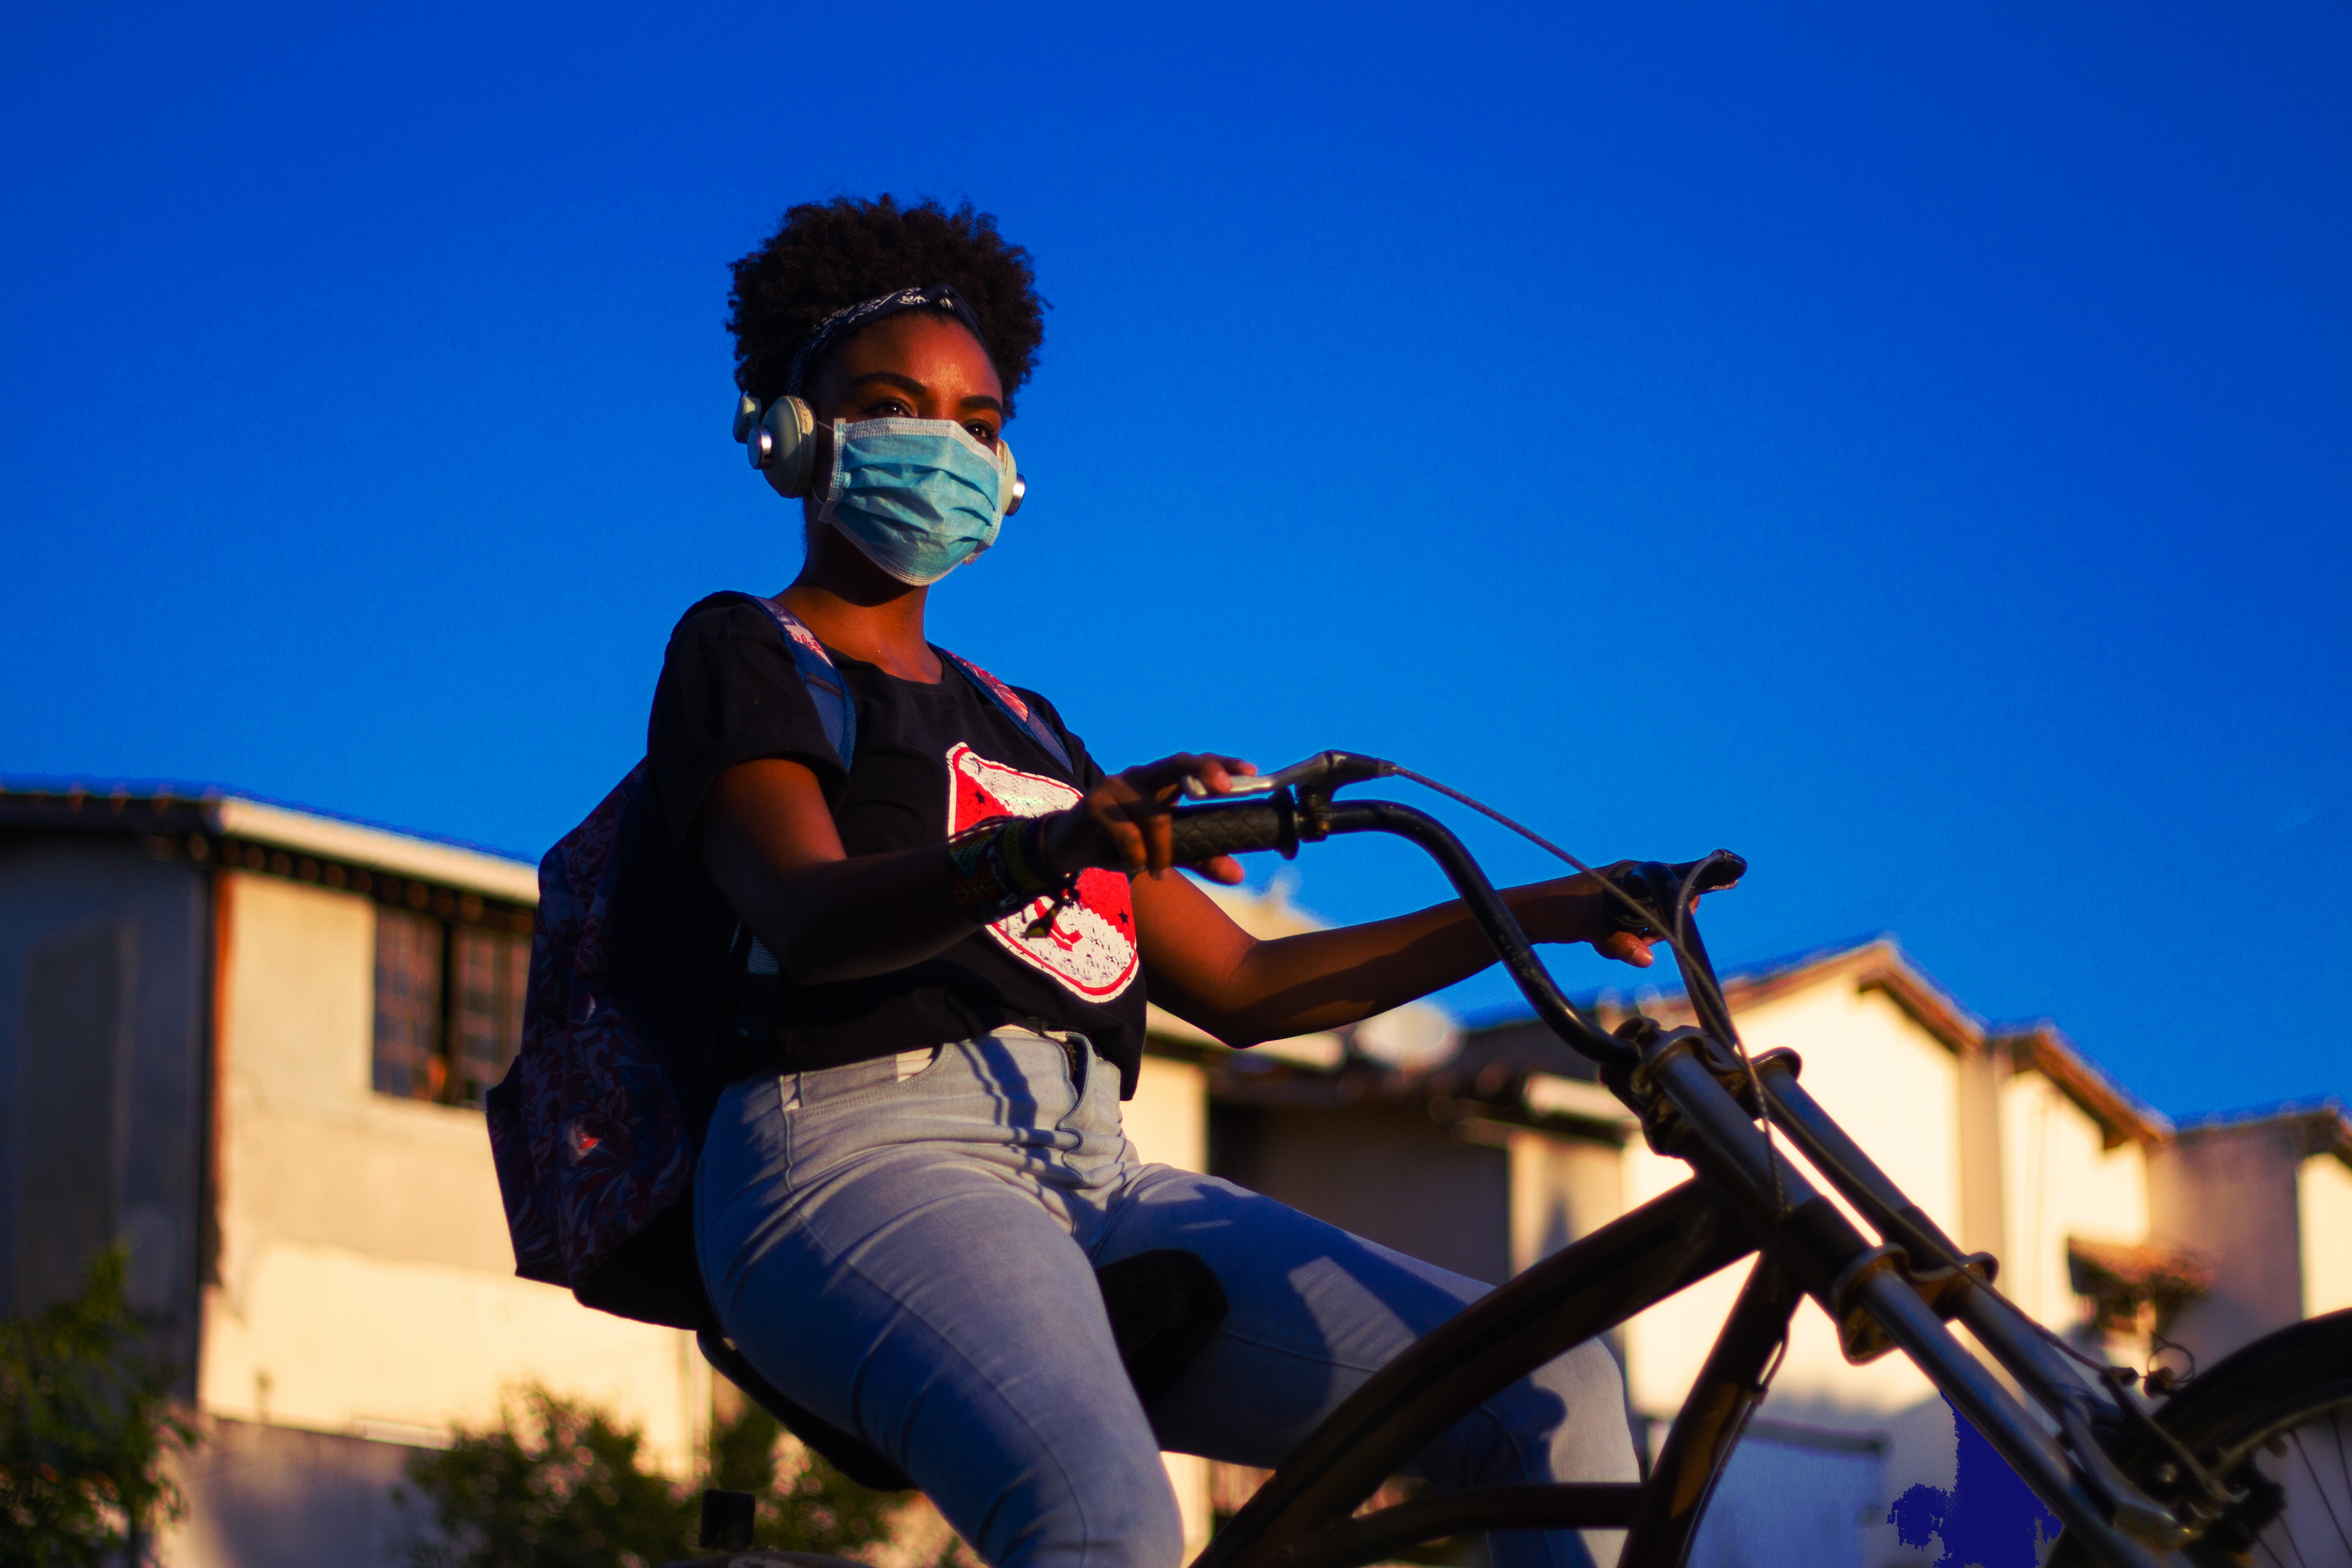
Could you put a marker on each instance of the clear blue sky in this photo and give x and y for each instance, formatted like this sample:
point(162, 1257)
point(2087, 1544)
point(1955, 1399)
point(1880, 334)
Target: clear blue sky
point(1906, 444)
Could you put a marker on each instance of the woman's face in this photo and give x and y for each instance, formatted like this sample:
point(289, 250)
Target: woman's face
point(916, 364)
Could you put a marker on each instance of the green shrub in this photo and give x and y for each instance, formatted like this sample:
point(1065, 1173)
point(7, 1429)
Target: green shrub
point(86, 1424)
point(556, 1483)
point(806, 1505)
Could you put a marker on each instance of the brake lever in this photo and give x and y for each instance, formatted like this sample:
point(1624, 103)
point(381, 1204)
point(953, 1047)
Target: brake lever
point(1317, 775)
point(1657, 884)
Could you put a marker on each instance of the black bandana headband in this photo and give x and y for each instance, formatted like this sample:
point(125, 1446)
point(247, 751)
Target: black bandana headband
point(841, 322)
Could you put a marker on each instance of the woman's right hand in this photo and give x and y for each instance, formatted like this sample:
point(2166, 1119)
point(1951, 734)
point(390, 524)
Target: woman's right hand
point(1123, 823)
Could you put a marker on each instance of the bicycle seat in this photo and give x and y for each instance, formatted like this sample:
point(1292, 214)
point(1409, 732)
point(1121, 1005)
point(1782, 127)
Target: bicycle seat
point(1162, 1305)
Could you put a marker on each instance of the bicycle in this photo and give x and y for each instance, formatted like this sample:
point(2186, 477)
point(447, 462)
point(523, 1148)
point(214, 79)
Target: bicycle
point(2251, 1462)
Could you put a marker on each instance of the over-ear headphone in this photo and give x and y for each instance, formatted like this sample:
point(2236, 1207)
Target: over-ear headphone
point(783, 444)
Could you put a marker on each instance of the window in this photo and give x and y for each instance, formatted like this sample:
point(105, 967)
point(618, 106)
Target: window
point(445, 1042)
point(492, 968)
point(409, 1006)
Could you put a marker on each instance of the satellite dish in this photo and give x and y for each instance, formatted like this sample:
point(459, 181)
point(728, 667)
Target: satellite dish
point(1412, 1038)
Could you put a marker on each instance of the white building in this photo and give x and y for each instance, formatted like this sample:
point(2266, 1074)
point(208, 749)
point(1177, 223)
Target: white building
point(246, 1038)
point(2110, 1223)
point(250, 1040)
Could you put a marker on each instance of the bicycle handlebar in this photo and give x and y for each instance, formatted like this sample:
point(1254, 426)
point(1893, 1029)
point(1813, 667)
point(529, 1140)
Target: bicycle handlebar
point(1280, 822)
point(1250, 827)
point(1254, 826)
point(1239, 827)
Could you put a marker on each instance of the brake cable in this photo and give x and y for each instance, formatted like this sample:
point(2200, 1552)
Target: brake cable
point(1712, 1001)
point(1707, 998)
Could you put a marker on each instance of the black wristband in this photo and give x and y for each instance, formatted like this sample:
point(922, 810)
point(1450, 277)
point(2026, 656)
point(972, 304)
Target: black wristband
point(999, 868)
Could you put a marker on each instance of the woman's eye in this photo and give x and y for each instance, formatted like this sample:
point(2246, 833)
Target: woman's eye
point(986, 436)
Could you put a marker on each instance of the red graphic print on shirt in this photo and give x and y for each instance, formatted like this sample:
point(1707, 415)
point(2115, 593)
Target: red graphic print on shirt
point(1091, 949)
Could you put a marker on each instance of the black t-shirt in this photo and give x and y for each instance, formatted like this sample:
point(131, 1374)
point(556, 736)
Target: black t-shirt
point(930, 760)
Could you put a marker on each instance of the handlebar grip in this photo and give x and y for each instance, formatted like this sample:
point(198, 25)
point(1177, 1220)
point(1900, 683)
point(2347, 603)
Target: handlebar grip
point(1656, 884)
point(1205, 832)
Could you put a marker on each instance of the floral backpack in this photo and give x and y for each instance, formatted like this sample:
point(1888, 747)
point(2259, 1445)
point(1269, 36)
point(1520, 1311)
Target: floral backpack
point(596, 1127)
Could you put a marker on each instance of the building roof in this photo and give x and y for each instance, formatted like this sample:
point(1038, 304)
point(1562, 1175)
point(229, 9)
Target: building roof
point(1872, 963)
point(1519, 1068)
point(210, 822)
point(2324, 1126)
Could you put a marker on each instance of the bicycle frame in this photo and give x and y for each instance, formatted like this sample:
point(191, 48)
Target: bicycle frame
point(1698, 1103)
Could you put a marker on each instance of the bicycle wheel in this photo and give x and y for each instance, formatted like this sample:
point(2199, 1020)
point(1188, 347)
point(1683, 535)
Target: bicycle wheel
point(2275, 1421)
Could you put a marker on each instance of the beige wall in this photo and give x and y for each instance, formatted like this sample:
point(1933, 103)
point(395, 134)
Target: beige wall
point(1664, 1346)
point(1889, 1083)
point(1896, 1088)
point(1562, 1189)
point(1388, 1174)
point(2323, 1216)
point(365, 1280)
point(2061, 1181)
point(2227, 1196)
point(1168, 1120)
point(276, 1497)
point(1168, 1123)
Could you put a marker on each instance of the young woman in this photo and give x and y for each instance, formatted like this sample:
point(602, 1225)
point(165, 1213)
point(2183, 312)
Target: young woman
point(901, 1202)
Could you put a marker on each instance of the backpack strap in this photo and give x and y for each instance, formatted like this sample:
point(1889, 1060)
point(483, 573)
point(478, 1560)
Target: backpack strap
point(839, 714)
point(1017, 710)
point(834, 710)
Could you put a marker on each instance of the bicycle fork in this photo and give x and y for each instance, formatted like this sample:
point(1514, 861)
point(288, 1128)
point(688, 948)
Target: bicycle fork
point(1883, 1297)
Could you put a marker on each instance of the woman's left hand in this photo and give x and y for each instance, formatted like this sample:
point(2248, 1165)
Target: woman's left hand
point(1577, 908)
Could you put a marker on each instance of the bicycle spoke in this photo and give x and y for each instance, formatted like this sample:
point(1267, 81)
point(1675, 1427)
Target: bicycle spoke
point(2320, 1487)
point(2291, 1544)
point(2343, 1465)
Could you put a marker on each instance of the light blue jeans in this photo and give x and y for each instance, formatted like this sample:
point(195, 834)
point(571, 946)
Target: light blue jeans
point(907, 1247)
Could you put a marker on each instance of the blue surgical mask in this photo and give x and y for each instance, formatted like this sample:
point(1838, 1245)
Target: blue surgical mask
point(919, 496)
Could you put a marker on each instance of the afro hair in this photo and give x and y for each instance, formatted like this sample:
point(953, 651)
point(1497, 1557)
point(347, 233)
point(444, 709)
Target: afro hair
point(826, 256)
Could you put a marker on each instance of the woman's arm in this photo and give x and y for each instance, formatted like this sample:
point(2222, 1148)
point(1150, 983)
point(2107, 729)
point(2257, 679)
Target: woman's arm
point(768, 841)
point(1209, 972)
point(766, 838)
